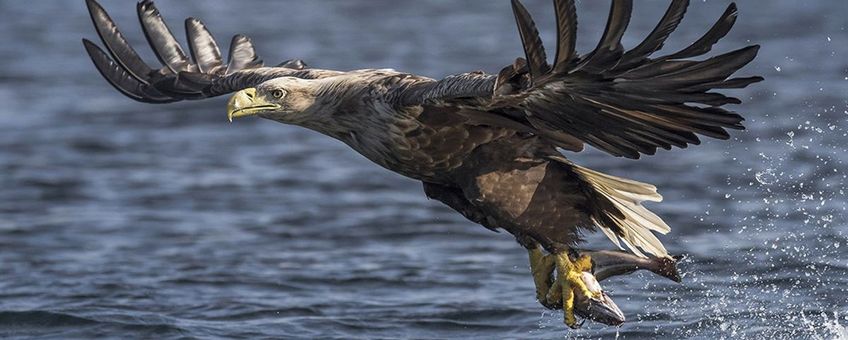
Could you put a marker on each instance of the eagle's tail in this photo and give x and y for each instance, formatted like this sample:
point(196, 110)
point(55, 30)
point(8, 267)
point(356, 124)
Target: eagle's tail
point(616, 208)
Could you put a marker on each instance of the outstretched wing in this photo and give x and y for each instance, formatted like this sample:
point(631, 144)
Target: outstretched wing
point(623, 102)
point(205, 74)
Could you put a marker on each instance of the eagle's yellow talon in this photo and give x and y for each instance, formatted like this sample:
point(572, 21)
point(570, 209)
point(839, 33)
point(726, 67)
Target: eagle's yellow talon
point(542, 268)
point(570, 274)
point(554, 296)
point(568, 306)
point(583, 263)
point(558, 291)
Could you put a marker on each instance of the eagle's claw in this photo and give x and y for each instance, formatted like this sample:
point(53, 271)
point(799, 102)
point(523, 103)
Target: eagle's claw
point(560, 290)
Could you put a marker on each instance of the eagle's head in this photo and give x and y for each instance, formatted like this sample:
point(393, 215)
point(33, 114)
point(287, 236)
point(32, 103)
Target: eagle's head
point(287, 100)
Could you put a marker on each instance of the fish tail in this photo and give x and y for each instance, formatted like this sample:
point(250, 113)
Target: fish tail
point(666, 267)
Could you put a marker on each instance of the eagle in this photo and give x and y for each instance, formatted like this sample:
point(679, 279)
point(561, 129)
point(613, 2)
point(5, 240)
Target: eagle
point(490, 146)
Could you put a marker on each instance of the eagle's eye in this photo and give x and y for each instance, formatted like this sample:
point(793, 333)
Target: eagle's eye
point(278, 94)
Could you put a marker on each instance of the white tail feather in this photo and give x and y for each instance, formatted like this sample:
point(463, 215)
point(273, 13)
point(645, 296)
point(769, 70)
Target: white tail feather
point(638, 222)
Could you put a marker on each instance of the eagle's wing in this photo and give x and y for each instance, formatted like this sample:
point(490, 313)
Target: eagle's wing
point(623, 102)
point(203, 75)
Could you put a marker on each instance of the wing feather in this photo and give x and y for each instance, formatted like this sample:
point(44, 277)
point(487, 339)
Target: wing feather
point(533, 48)
point(203, 47)
point(609, 50)
point(242, 55)
point(706, 42)
point(124, 82)
point(656, 39)
point(622, 102)
point(116, 44)
point(161, 40)
point(566, 17)
point(203, 75)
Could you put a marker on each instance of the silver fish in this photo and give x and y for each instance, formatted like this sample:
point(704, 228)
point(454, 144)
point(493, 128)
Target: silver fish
point(608, 263)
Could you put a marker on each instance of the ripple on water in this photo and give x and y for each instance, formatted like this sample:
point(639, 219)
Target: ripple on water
point(126, 220)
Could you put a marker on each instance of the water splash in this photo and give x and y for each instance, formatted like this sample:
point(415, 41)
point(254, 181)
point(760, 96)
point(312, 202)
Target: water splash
point(765, 177)
point(827, 327)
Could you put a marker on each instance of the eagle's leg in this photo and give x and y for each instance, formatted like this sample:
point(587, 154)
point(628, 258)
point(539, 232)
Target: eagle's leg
point(569, 282)
point(550, 288)
point(542, 268)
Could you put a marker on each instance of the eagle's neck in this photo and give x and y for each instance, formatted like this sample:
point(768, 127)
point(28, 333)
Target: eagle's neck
point(318, 102)
point(350, 104)
point(357, 109)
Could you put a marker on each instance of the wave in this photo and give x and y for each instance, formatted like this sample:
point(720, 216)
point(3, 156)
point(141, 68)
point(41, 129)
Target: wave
point(43, 323)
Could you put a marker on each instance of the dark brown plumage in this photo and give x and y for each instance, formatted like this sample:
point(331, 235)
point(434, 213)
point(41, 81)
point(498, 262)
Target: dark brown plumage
point(483, 144)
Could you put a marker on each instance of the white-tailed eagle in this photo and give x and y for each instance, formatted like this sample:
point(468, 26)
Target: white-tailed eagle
point(484, 144)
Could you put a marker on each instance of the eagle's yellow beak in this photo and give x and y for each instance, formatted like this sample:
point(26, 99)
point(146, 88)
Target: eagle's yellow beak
point(245, 103)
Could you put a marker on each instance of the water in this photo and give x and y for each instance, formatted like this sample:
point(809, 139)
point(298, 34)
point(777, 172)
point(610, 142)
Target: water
point(120, 219)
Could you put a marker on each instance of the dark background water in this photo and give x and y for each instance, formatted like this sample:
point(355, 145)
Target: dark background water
point(123, 219)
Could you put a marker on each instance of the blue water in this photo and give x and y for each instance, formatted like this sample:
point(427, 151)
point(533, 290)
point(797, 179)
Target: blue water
point(120, 219)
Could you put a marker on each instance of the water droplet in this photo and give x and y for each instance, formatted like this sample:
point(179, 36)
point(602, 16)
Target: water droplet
point(766, 177)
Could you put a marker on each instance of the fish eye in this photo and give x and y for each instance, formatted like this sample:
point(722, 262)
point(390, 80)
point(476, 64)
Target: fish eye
point(278, 93)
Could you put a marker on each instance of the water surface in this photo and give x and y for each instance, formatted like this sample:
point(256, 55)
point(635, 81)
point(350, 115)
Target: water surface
point(121, 219)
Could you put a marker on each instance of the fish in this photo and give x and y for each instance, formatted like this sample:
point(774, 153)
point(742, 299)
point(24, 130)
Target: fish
point(603, 309)
point(609, 263)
